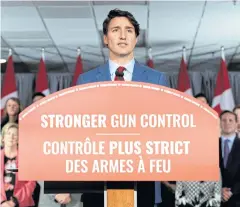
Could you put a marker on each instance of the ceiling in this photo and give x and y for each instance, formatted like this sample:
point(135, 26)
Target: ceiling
point(60, 27)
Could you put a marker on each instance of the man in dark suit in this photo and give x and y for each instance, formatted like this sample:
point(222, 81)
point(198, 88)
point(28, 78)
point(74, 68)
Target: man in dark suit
point(121, 31)
point(229, 152)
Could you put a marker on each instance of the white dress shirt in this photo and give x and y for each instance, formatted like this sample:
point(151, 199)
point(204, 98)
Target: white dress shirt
point(127, 73)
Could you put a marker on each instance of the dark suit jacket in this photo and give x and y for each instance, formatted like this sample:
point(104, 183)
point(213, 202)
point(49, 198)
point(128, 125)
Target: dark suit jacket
point(231, 174)
point(141, 73)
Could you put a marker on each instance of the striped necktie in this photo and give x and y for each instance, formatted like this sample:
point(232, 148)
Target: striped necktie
point(119, 74)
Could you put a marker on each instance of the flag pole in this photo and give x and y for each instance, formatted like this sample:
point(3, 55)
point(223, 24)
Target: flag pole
point(9, 52)
point(79, 51)
point(222, 53)
point(43, 55)
point(150, 53)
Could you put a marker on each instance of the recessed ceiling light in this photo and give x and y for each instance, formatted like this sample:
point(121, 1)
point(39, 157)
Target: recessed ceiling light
point(2, 61)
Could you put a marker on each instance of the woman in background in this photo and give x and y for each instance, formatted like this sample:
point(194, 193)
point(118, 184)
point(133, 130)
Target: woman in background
point(198, 194)
point(14, 193)
point(11, 111)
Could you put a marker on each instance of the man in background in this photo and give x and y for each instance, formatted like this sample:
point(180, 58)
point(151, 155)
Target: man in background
point(229, 157)
point(236, 110)
point(201, 97)
point(37, 96)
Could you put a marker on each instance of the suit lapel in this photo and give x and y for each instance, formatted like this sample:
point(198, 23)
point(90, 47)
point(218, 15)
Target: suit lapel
point(220, 155)
point(139, 73)
point(103, 73)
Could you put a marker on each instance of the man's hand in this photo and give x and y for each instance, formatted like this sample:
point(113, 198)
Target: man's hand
point(226, 194)
point(63, 198)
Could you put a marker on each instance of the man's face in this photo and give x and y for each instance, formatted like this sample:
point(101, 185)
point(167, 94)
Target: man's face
point(37, 98)
point(12, 107)
point(121, 37)
point(237, 111)
point(228, 124)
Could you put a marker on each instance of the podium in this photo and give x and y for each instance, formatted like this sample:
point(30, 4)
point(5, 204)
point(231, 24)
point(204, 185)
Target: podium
point(116, 194)
point(120, 194)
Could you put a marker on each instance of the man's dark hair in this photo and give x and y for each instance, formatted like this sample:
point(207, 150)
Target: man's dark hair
point(228, 112)
point(37, 94)
point(119, 13)
point(201, 95)
point(235, 108)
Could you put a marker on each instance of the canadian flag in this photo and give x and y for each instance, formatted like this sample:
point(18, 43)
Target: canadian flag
point(223, 96)
point(150, 63)
point(9, 88)
point(184, 83)
point(78, 68)
point(42, 80)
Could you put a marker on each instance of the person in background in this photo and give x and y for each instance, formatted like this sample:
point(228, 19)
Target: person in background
point(201, 97)
point(229, 157)
point(236, 110)
point(58, 200)
point(37, 96)
point(11, 111)
point(198, 193)
point(10, 114)
point(14, 193)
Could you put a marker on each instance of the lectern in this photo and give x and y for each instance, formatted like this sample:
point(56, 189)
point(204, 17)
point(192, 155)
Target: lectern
point(120, 194)
point(116, 194)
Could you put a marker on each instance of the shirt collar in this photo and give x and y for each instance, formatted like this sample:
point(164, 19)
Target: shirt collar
point(231, 138)
point(113, 66)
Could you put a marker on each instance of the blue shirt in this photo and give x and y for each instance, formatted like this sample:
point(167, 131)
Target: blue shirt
point(230, 143)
